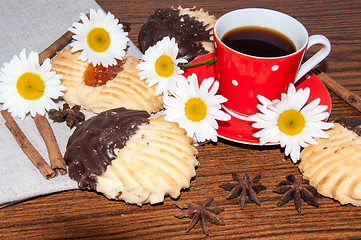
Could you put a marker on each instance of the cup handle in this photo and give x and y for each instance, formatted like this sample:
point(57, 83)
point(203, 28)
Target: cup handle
point(317, 58)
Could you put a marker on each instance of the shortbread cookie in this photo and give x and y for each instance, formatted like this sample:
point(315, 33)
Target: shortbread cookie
point(333, 166)
point(126, 155)
point(191, 28)
point(123, 89)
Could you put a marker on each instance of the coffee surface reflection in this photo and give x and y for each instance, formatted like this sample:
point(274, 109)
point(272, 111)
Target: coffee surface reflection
point(259, 42)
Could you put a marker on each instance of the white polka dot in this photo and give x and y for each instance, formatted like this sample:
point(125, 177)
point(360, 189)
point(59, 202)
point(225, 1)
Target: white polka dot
point(275, 67)
point(308, 76)
point(234, 82)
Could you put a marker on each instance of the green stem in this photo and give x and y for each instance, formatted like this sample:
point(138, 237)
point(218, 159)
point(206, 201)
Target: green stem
point(208, 62)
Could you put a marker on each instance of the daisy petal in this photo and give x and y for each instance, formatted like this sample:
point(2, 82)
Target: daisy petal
point(195, 108)
point(298, 126)
point(35, 99)
point(165, 51)
point(100, 25)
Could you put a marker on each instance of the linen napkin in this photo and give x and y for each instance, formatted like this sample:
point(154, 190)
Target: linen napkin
point(34, 25)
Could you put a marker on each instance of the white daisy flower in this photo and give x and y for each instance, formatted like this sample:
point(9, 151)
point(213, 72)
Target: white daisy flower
point(290, 122)
point(160, 65)
point(25, 86)
point(196, 108)
point(100, 38)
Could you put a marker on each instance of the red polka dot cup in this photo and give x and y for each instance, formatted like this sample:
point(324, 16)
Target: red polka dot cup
point(242, 77)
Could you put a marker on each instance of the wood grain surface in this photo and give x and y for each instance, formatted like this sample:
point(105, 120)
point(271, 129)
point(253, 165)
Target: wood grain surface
point(88, 215)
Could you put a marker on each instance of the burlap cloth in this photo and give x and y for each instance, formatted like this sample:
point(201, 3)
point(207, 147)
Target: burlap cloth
point(34, 25)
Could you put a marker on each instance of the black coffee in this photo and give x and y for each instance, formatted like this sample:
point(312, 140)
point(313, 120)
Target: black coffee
point(259, 42)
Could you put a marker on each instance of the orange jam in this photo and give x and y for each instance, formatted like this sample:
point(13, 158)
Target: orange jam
point(99, 75)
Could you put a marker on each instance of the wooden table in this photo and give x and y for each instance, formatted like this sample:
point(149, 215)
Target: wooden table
point(83, 214)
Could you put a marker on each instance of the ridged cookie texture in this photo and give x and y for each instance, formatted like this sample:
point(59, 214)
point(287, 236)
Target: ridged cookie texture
point(125, 90)
point(158, 160)
point(127, 155)
point(333, 166)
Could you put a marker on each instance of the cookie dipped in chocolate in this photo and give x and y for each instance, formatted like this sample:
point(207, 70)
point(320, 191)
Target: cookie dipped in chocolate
point(90, 148)
point(187, 31)
point(353, 124)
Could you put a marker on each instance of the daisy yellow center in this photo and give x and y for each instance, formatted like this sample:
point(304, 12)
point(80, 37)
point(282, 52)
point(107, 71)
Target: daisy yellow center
point(195, 109)
point(164, 66)
point(30, 86)
point(98, 39)
point(291, 122)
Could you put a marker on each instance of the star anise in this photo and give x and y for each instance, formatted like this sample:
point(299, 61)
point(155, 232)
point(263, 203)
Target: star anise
point(290, 188)
point(201, 214)
point(244, 187)
point(72, 116)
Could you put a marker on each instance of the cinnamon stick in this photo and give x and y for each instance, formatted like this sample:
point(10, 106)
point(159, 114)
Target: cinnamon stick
point(348, 96)
point(27, 147)
point(56, 160)
point(56, 46)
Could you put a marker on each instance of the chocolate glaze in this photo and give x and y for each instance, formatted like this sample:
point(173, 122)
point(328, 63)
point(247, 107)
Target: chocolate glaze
point(353, 124)
point(90, 148)
point(187, 31)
